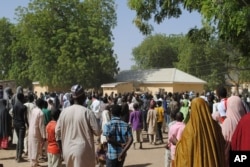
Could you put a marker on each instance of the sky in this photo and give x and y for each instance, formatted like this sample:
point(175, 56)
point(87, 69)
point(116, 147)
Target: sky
point(126, 35)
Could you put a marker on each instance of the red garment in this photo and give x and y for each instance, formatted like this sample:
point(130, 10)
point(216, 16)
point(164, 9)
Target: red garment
point(221, 119)
point(4, 142)
point(53, 147)
point(241, 136)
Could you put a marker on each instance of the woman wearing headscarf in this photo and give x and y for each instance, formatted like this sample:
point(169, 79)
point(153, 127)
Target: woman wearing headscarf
point(202, 143)
point(241, 137)
point(13, 101)
point(235, 110)
point(20, 122)
point(5, 125)
point(185, 110)
point(7, 95)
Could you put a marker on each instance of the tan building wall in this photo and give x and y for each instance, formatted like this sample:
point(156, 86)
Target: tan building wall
point(125, 87)
point(108, 91)
point(9, 83)
point(40, 89)
point(197, 88)
point(156, 88)
point(119, 88)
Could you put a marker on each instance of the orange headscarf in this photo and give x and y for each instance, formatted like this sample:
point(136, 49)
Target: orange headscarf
point(202, 143)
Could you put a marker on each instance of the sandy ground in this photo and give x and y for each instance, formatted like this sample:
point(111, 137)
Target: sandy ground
point(148, 156)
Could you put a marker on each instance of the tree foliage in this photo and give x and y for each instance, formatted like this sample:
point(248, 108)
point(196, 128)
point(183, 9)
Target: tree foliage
point(231, 17)
point(6, 38)
point(155, 52)
point(229, 35)
point(61, 42)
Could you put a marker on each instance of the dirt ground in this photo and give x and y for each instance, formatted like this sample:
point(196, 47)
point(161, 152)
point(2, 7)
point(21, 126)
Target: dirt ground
point(148, 156)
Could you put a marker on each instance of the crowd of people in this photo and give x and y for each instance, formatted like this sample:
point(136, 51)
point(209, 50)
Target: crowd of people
point(202, 128)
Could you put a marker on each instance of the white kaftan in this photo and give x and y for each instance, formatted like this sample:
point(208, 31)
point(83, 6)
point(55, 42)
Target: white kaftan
point(75, 128)
point(36, 133)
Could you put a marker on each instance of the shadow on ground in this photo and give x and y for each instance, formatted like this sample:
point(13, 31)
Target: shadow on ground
point(7, 158)
point(139, 165)
point(152, 148)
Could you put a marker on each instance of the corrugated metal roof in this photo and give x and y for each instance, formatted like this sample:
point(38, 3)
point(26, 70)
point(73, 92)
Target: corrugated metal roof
point(112, 85)
point(163, 75)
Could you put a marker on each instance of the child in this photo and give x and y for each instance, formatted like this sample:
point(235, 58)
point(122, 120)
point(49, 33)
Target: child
point(53, 150)
point(136, 122)
point(175, 132)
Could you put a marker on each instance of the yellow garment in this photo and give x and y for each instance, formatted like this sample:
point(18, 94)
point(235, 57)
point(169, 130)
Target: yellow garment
point(202, 143)
point(160, 113)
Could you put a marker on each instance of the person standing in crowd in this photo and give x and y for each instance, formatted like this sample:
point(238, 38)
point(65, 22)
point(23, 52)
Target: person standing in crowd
point(130, 103)
point(30, 106)
point(106, 116)
point(51, 103)
point(222, 105)
point(166, 112)
point(168, 158)
point(160, 117)
point(5, 125)
point(14, 100)
point(46, 112)
point(7, 95)
point(47, 118)
point(119, 137)
point(125, 110)
point(144, 108)
point(36, 135)
point(53, 150)
point(136, 122)
point(75, 130)
point(235, 110)
point(185, 110)
point(96, 108)
point(20, 122)
point(66, 100)
point(175, 132)
point(202, 143)
point(210, 100)
point(241, 136)
point(152, 122)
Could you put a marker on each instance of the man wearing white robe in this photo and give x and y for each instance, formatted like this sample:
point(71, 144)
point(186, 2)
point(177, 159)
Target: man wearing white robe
point(36, 135)
point(75, 130)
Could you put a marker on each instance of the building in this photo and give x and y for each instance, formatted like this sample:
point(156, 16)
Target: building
point(9, 83)
point(42, 89)
point(118, 87)
point(160, 80)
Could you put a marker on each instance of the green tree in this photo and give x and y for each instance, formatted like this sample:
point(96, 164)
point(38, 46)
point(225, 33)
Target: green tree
point(211, 59)
point(231, 17)
point(155, 51)
point(6, 38)
point(20, 62)
point(69, 41)
point(229, 21)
